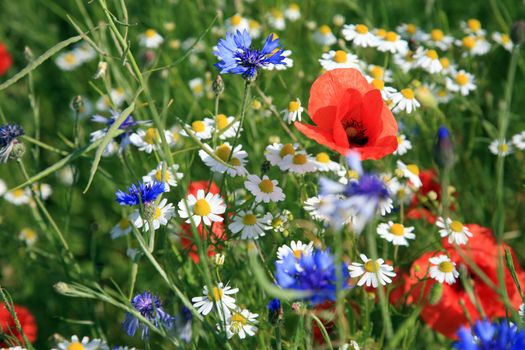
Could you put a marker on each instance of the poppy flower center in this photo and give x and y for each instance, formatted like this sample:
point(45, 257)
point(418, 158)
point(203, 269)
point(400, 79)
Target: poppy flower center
point(397, 230)
point(437, 34)
point(124, 223)
point(150, 33)
point(456, 226)
point(158, 176)
point(266, 186)
point(300, 159)
point(322, 157)
point(340, 56)
point(378, 84)
point(445, 62)
point(324, 29)
point(408, 93)
point(372, 266)
point(198, 126)
point(446, 267)
point(391, 36)
point(202, 208)
point(294, 106)
point(469, 42)
point(356, 133)
point(221, 121)
point(411, 28)
point(361, 29)
point(474, 25)
point(286, 150)
point(217, 294)
point(461, 79)
point(249, 219)
point(236, 20)
point(75, 346)
point(432, 54)
point(151, 135)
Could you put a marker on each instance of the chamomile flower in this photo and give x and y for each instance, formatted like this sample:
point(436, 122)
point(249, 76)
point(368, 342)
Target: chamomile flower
point(297, 249)
point(313, 207)
point(395, 233)
point(68, 61)
point(168, 176)
point(225, 126)
point(264, 190)
point(324, 36)
point(123, 228)
point(299, 163)
point(378, 72)
point(220, 298)
point(197, 87)
point(323, 162)
point(504, 40)
point(201, 129)
point(392, 43)
point(500, 148)
point(429, 61)
point(359, 35)
point(409, 172)
point(372, 272)
point(115, 99)
point(436, 38)
point(85, 52)
point(442, 269)
point(411, 31)
point(473, 45)
point(148, 140)
point(405, 100)
point(29, 236)
point(150, 39)
point(241, 322)
point(456, 232)
point(160, 215)
point(403, 145)
point(292, 12)
point(400, 190)
point(472, 26)
point(293, 112)
point(254, 29)
point(250, 224)
point(386, 91)
point(85, 344)
point(461, 82)
point(276, 19)
point(204, 207)
point(405, 62)
point(448, 66)
point(236, 159)
point(237, 23)
point(518, 141)
point(338, 59)
point(276, 152)
point(18, 197)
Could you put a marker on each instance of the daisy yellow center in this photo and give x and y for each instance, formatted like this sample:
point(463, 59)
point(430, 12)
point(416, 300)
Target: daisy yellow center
point(456, 226)
point(381, 33)
point(293, 6)
point(294, 106)
point(157, 214)
point(286, 150)
point(236, 20)
point(397, 229)
point(75, 346)
point(437, 34)
point(256, 104)
point(505, 38)
point(235, 161)
point(372, 266)
point(300, 159)
point(377, 72)
point(221, 121)
point(124, 223)
point(469, 42)
point(249, 219)
point(198, 88)
point(298, 253)
point(322, 157)
point(378, 84)
point(216, 294)
point(266, 186)
point(18, 193)
point(474, 24)
point(254, 24)
point(29, 233)
point(158, 175)
point(340, 56)
point(352, 174)
point(411, 28)
point(150, 33)
point(445, 62)
point(446, 267)
point(361, 29)
point(461, 79)
point(277, 222)
point(70, 58)
point(198, 126)
point(503, 148)
point(223, 152)
point(238, 318)
point(432, 54)
point(277, 14)
point(408, 93)
point(202, 208)
point(399, 140)
point(391, 36)
point(151, 135)
point(414, 169)
point(324, 29)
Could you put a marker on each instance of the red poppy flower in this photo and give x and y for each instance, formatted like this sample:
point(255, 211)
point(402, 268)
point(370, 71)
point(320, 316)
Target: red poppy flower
point(447, 315)
point(349, 114)
point(26, 319)
point(326, 312)
point(5, 59)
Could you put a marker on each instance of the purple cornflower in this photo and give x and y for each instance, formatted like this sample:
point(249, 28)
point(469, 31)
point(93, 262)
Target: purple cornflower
point(141, 193)
point(9, 134)
point(486, 335)
point(150, 307)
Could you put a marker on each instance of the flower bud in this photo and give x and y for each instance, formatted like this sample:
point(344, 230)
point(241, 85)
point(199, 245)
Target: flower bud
point(275, 311)
point(77, 104)
point(101, 70)
point(435, 293)
point(218, 86)
point(219, 259)
point(18, 151)
point(444, 150)
point(517, 32)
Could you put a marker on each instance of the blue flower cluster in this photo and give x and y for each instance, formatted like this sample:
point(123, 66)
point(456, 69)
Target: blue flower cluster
point(150, 307)
point(312, 273)
point(141, 193)
point(486, 335)
point(8, 138)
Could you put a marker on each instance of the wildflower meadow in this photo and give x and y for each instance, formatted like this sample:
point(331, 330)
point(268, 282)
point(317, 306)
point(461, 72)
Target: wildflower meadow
point(210, 174)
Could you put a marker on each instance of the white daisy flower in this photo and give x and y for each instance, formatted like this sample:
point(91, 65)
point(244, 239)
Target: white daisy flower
point(197, 87)
point(503, 40)
point(84, 344)
point(237, 159)
point(170, 175)
point(18, 197)
point(276, 19)
point(206, 208)
point(338, 59)
point(392, 43)
point(372, 272)
point(250, 224)
point(428, 60)
point(68, 61)
point(436, 38)
point(275, 153)
point(410, 172)
point(456, 232)
point(448, 67)
point(324, 36)
point(117, 96)
point(461, 82)
point(313, 206)
point(28, 235)
point(405, 62)
point(442, 269)
point(405, 100)
point(299, 163)
point(378, 72)
point(148, 140)
point(386, 91)
point(403, 145)
point(359, 35)
point(85, 52)
point(224, 125)
point(473, 45)
point(292, 12)
point(472, 26)
point(241, 322)
point(323, 162)
point(237, 23)
point(518, 141)
point(402, 191)
point(264, 190)
point(150, 39)
point(43, 191)
point(500, 148)
point(220, 298)
point(395, 233)
point(410, 30)
point(161, 214)
point(441, 94)
point(293, 112)
point(201, 129)
point(123, 228)
point(298, 249)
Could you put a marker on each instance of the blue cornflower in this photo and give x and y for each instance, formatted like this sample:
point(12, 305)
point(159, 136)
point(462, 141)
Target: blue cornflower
point(444, 149)
point(141, 193)
point(183, 324)
point(150, 307)
point(274, 310)
point(485, 335)
point(9, 134)
point(126, 126)
point(314, 274)
point(236, 56)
